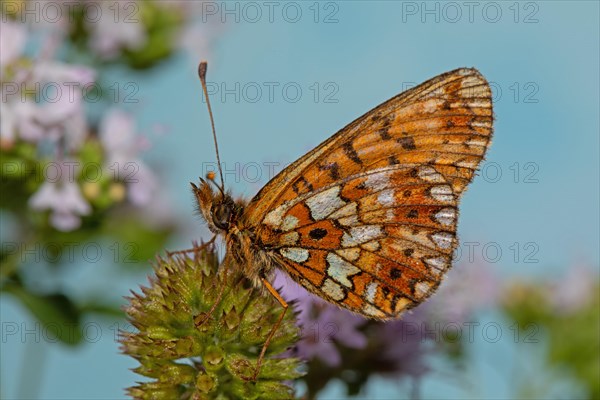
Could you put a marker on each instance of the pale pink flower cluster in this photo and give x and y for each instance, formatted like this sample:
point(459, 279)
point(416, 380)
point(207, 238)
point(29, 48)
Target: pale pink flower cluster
point(57, 120)
point(58, 112)
point(322, 324)
point(63, 198)
point(468, 288)
point(122, 145)
point(574, 291)
point(43, 102)
point(119, 28)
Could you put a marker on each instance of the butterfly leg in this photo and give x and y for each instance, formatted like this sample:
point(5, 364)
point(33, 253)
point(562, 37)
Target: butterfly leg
point(200, 319)
point(285, 306)
point(195, 247)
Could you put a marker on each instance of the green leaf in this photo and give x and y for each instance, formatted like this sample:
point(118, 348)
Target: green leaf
point(108, 310)
point(59, 316)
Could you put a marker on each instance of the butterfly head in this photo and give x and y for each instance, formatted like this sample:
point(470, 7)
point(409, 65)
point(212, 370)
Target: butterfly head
point(218, 209)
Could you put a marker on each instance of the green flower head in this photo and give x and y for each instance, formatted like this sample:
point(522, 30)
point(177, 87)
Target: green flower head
point(199, 336)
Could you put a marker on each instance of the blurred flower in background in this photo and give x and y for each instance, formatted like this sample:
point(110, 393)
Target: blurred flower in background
point(344, 347)
point(322, 325)
point(123, 147)
point(340, 345)
point(566, 311)
point(73, 172)
point(109, 36)
point(63, 198)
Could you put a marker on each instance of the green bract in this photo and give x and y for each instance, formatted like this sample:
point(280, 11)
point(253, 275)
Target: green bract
point(187, 359)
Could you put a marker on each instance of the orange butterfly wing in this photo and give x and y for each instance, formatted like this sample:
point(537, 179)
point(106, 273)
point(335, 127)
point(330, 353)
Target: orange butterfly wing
point(368, 219)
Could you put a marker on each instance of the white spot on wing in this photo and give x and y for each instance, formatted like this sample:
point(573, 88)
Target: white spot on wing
point(352, 220)
point(476, 141)
point(429, 174)
point(467, 164)
point(478, 103)
point(438, 263)
point(347, 210)
point(422, 288)
point(378, 181)
point(469, 82)
point(446, 216)
point(481, 124)
point(340, 269)
point(290, 239)
point(274, 217)
point(324, 203)
point(361, 234)
point(443, 239)
point(333, 290)
point(295, 254)
point(370, 310)
point(289, 223)
point(442, 193)
point(371, 291)
point(386, 198)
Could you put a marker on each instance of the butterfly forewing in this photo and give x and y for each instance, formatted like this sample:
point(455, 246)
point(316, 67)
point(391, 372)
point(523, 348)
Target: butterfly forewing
point(368, 219)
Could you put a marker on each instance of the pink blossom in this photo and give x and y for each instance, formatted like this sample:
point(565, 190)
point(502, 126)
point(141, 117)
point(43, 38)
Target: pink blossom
point(574, 291)
point(63, 198)
point(322, 324)
point(50, 71)
point(142, 188)
point(63, 118)
point(12, 41)
point(56, 111)
point(468, 287)
point(196, 38)
point(118, 28)
point(118, 136)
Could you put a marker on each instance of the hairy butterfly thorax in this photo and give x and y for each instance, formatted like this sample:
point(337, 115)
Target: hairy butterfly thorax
point(224, 217)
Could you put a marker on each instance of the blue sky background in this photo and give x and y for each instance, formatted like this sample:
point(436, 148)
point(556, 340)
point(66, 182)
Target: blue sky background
point(548, 129)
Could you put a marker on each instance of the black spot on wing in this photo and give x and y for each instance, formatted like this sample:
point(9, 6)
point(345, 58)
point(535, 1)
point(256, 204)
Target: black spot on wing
point(333, 168)
point(407, 143)
point(392, 160)
point(412, 214)
point(305, 185)
point(317, 233)
point(351, 153)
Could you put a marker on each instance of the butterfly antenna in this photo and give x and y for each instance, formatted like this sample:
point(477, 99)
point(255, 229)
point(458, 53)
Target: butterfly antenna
point(202, 74)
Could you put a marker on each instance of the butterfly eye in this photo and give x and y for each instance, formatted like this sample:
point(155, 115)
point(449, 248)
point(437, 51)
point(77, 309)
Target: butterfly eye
point(220, 215)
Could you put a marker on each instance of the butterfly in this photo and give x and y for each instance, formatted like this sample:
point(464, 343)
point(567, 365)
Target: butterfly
point(367, 220)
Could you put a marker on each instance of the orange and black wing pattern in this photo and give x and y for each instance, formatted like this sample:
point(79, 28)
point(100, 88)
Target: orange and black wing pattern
point(368, 219)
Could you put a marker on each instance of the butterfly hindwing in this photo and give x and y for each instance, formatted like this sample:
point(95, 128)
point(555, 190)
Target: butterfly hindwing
point(368, 219)
point(376, 243)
